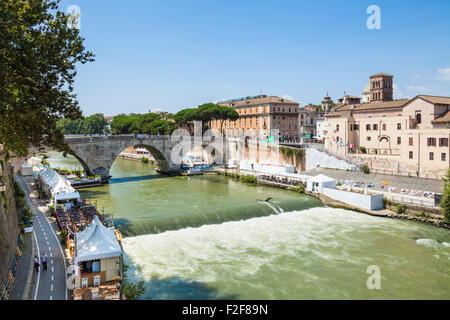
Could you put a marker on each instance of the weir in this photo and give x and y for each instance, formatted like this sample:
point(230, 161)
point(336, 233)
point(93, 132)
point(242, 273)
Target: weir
point(183, 220)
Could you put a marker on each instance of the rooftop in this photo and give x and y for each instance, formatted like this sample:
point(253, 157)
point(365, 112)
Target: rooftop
point(381, 75)
point(258, 100)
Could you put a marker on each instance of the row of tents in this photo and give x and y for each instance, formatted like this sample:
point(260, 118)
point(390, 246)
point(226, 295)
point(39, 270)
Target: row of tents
point(58, 188)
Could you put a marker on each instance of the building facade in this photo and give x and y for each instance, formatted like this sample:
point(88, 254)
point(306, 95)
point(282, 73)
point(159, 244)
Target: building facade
point(407, 137)
point(308, 117)
point(262, 115)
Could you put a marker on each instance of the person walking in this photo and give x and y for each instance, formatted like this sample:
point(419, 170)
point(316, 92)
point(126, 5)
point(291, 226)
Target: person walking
point(36, 263)
point(44, 261)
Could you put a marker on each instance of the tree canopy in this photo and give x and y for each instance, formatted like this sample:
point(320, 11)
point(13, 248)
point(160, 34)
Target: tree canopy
point(150, 123)
point(206, 112)
point(38, 55)
point(94, 124)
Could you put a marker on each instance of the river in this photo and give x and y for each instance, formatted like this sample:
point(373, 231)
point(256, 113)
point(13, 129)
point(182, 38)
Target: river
point(208, 237)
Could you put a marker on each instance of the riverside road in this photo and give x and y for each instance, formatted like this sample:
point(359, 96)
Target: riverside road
point(49, 284)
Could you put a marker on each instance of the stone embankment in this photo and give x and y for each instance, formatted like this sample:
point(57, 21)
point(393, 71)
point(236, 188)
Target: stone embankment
point(435, 218)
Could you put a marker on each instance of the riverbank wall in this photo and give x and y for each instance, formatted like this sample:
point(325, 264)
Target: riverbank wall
point(431, 216)
point(435, 218)
point(9, 229)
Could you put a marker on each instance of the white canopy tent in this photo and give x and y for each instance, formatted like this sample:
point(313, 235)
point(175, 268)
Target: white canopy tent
point(34, 161)
point(96, 242)
point(57, 186)
point(26, 170)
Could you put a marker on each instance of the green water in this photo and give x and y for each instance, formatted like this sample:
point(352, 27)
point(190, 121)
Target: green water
point(209, 238)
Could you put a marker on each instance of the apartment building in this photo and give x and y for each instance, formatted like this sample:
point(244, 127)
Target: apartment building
point(262, 115)
point(408, 137)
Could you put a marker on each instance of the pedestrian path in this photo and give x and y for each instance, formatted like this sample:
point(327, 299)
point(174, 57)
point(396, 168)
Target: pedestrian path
point(49, 284)
point(23, 276)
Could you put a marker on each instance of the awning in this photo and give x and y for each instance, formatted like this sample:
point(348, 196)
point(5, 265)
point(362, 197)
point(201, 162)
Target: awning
point(96, 242)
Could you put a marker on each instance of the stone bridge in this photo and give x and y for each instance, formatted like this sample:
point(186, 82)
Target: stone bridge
point(97, 154)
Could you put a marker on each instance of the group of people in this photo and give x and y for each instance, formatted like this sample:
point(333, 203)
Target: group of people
point(283, 180)
point(43, 260)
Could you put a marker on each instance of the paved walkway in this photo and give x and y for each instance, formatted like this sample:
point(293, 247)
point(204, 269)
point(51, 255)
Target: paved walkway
point(23, 279)
point(49, 284)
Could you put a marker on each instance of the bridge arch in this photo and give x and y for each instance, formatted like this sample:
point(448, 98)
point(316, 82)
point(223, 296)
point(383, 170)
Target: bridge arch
point(97, 154)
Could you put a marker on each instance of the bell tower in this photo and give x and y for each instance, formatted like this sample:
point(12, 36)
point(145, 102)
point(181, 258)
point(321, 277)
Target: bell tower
point(327, 103)
point(381, 87)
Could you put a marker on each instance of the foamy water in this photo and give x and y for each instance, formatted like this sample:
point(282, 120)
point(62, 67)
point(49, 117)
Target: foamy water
point(312, 254)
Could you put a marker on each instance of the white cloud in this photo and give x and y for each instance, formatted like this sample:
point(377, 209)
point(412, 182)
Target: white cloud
point(288, 97)
point(398, 94)
point(444, 74)
point(418, 88)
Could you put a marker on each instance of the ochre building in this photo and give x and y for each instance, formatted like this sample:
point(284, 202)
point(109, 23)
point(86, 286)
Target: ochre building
point(261, 115)
point(406, 137)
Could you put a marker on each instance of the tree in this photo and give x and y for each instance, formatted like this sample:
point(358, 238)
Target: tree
point(162, 127)
point(211, 111)
point(94, 124)
point(445, 202)
point(121, 124)
point(38, 55)
point(131, 290)
point(186, 116)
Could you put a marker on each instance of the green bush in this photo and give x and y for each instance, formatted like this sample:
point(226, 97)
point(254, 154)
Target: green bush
point(63, 236)
point(445, 202)
point(387, 202)
point(363, 149)
point(144, 160)
point(132, 291)
point(365, 168)
point(300, 188)
point(400, 208)
point(248, 179)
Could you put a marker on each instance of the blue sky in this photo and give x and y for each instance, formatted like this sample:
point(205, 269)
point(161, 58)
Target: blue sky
point(171, 55)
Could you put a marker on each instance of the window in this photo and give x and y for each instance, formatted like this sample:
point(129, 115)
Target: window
point(411, 155)
point(367, 127)
point(399, 126)
point(351, 127)
point(431, 155)
point(443, 156)
point(384, 126)
point(356, 127)
point(312, 121)
point(337, 128)
point(369, 138)
point(399, 140)
point(375, 127)
point(431, 142)
point(443, 142)
point(419, 118)
point(411, 141)
point(90, 266)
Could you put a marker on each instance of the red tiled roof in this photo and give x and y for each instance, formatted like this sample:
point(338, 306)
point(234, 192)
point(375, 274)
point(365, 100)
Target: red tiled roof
point(263, 100)
point(443, 118)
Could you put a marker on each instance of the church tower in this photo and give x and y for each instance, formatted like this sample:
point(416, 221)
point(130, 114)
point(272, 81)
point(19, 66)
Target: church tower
point(381, 87)
point(327, 103)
